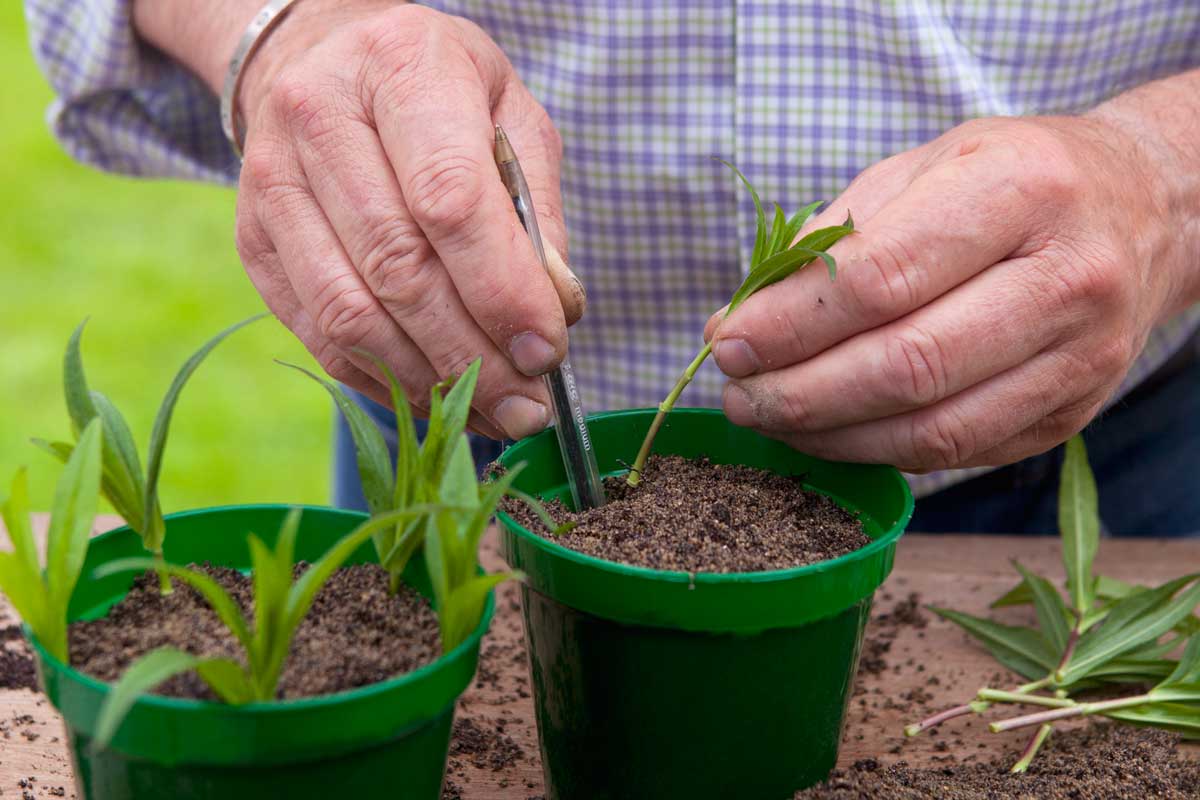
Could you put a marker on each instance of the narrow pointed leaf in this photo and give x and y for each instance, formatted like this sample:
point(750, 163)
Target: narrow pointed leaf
point(142, 675)
point(1078, 523)
point(72, 514)
point(778, 230)
point(162, 425)
point(824, 238)
point(797, 222)
point(760, 218)
point(371, 453)
point(224, 606)
point(411, 537)
point(460, 613)
point(23, 587)
point(15, 513)
point(1112, 589)
point(1184, 681)
point(555, 527)
point(773, 270)
point(456, 407)
point(1051, 611)
point(1022, 650)
point(272, 582)
point(1179, 717)
point(123, 483)
point(1113, 639)
point(492, 492)
point(75, 386)
point(1019, 595)
point(228, 680)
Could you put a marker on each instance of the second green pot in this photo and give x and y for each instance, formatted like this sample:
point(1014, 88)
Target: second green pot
point(388, 739)
point(653, 684)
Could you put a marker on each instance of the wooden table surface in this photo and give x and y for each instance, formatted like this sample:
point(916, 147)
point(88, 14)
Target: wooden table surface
point(928, 668)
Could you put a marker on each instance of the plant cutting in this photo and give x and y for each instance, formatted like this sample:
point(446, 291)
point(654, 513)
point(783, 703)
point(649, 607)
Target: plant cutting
point(697, 636)
point(1102, 635)
point(255, 630)
point(133, 496)
point(41, 597)
point(776, 255)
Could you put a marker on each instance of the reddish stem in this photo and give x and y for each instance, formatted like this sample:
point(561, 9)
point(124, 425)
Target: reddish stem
point(938, 719)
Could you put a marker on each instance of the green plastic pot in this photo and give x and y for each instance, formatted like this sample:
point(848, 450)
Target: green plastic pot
point(386, 739)
point(654, 684)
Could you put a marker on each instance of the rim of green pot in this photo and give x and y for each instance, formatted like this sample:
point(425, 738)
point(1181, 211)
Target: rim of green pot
point(550, 574)
point(317, 707)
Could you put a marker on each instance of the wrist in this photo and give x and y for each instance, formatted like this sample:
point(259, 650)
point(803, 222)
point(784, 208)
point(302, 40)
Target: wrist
point(1155, 128)
point(199, 34)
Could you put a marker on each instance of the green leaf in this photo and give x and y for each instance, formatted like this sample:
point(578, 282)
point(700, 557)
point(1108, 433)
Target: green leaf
point(411, 537)
point(1184, 719)
point(1023, 650)
point(228, 680)
point(374, 463)
point(797, 222)
point(142, 675)
point(456, 407)
point(25, 591)
point(1112, 589)
point(1078, 523)
point(75, 386)
point(778, 230)
point(492, 492)
point(775, 269)
point(1051, 611)
point(15, 513)
point(1139, 618)
point(272, 582)
point(224, 606)
point(122, 480)
point(1184, 682)
point(760, 219)
point(152, 535)
point(1019, 595)
point(460, 613)
point(71, 517)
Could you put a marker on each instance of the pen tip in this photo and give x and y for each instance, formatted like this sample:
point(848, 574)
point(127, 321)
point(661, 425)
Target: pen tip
point(500, 137)
point(503, 150)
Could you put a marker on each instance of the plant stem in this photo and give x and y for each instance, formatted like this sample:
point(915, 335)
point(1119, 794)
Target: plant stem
point(1031, 749)
point(938, 719)
point(997, 696)
point(164, 580)
point(635, 472)
point(1072, 710)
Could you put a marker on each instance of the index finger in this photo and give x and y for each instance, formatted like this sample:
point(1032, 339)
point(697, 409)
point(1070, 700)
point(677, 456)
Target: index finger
point(438, 134)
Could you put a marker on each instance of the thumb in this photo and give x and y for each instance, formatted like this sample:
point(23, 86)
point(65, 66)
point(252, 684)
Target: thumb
point(570, 289)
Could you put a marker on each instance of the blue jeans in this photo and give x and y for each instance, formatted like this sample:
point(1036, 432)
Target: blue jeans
point(1145, 452)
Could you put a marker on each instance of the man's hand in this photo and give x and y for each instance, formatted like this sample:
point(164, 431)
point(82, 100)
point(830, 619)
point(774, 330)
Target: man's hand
point(370, 213)
point(1004, 279)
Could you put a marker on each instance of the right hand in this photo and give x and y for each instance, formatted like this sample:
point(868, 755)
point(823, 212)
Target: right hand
point(371, 216)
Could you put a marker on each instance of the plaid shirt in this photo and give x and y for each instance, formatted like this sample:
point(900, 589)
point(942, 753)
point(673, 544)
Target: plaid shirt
point(802, 95)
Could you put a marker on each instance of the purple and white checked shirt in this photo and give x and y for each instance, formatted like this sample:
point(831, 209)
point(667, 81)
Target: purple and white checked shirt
point(802, 95)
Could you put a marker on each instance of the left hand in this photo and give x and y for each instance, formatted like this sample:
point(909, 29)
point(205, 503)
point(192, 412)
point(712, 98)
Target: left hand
point(1004, 278)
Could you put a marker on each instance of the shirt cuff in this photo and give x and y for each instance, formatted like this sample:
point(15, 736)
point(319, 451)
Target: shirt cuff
point(122, 106)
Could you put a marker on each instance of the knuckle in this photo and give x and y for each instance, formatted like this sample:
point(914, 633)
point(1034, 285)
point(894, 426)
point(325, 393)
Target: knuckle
point(915, 365)
point(940, 440)
point(447, 193)
point(298, 104)
point(879, 282)
point(260, 169)
point(793, 408)
point(396, 268)
point(343, 315)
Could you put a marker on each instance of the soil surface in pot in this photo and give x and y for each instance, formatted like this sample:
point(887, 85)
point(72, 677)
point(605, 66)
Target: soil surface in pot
point(355, 634)
point(1100, 762)
point(695, 516)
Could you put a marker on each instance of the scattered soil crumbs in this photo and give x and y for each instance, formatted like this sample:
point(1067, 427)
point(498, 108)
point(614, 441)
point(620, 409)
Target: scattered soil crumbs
point(484, 744)
point(696, 516)
point(355, 634)
point(1101, 762)
point(884, 629)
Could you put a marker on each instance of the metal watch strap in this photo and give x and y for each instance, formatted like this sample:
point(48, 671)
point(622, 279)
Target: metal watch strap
point(264, 21)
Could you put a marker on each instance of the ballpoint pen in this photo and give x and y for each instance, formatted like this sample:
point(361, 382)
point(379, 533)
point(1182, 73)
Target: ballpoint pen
point(570, 426)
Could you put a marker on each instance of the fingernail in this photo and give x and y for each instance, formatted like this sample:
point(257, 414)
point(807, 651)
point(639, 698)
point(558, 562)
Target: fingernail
point(520, 417)
point(737, 405)
point(532, 354)
point(735, 358)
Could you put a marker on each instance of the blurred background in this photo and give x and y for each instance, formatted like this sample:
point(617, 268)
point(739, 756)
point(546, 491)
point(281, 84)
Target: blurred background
point(154, 267)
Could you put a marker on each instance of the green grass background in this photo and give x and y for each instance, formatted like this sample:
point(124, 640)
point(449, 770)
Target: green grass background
point(153, 264)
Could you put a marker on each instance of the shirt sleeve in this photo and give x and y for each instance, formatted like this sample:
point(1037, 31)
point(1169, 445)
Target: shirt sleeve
point(121, 105)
